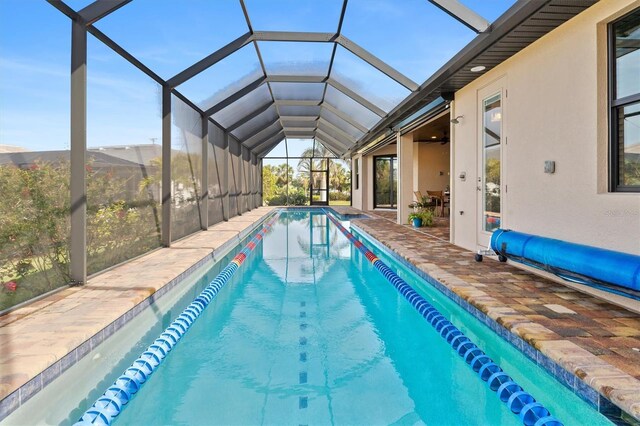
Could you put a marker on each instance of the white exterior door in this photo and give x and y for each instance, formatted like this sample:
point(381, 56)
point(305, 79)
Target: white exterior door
point(491, 186)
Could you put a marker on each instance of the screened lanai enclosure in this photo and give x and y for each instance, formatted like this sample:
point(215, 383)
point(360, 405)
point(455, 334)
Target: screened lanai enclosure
point(129, 124)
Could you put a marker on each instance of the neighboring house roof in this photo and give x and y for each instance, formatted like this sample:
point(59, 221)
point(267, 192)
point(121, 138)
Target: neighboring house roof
point(97, 159)
point(11, 148)
point(141, 154)
point(632, 149)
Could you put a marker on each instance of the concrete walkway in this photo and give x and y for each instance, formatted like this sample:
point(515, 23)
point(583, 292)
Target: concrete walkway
point(596, 342)
point(43, 339)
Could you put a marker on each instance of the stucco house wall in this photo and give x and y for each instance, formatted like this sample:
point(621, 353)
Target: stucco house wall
point(555, 109)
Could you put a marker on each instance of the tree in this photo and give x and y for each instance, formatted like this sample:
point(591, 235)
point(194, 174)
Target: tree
point(632, 169)
point(339, 174)
point(122, 222)
point(269, 186)
point(284, 174)
point(492, 185)
point(340, 177)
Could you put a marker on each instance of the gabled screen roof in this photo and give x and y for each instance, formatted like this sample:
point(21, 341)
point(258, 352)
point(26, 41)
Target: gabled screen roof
point(327, 70)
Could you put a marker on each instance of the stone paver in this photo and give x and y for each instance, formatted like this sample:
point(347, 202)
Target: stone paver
point(440, 228)
point(37, 336)
point(597, 341)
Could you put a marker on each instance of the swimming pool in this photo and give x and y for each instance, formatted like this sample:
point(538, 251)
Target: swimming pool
point(309, 332)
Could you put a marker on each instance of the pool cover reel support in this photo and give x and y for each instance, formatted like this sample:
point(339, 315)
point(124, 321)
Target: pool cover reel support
point(607, 270)
point(489, 252)
point(112, 401)
point(519, 401)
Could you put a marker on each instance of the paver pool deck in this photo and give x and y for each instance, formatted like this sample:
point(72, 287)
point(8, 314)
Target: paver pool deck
point(597, 342)
point(593, 339)
point(44, 338)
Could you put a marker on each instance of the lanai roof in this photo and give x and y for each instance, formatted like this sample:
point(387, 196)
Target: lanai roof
point(337, 71)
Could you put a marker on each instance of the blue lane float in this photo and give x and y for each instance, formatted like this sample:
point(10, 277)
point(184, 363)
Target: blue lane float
point(508, 391)
point(112, 402)
point(574, 262)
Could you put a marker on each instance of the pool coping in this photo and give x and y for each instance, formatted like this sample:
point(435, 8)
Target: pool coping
point(560, 362)
point(23, 393)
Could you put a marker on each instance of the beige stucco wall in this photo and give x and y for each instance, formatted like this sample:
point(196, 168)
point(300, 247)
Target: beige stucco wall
point(430, 166)
point(356, 194)
point(555, 110)
point(406, 155)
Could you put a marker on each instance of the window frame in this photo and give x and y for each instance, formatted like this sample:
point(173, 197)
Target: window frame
point(356, 171)
point(615, 105)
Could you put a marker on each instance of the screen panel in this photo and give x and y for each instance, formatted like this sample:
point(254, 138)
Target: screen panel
point(364, 79)
point(417, 51)
point(243, 106)
point(299, 110)
point(34, 151)
point(224, 78)
point(296, 58)
point(168, 37)
point(124, 159)
point(216, 171)
point(186, 169)
point(256, 123)
point(344, 103)
point(298, 91)
point(294, 15)
point(341, 124)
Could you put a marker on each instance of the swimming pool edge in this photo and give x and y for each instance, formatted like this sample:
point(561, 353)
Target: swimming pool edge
point(26, 391)
point(622, 406)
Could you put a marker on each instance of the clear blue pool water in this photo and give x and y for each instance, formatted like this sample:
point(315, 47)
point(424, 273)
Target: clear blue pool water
point(308, 332)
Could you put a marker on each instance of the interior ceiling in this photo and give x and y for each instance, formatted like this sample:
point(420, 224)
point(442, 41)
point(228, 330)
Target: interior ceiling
point(340, 97)
point(434, 131)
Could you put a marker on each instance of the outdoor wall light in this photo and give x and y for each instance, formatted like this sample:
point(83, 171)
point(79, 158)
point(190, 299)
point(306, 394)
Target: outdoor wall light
point(457, 119)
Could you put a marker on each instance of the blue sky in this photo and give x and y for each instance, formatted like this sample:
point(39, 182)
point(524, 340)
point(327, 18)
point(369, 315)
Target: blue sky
point(169, 35)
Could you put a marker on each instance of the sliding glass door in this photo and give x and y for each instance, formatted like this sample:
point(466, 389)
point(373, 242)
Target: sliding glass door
point(385, 183)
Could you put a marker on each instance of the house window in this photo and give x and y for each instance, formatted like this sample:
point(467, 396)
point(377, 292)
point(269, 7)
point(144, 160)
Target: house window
point(624, 103)
point(356, 170)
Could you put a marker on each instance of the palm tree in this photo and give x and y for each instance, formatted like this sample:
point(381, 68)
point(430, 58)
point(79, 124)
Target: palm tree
point(284, 174)
point(318, 152)
point(307, 163)
point(339, 176)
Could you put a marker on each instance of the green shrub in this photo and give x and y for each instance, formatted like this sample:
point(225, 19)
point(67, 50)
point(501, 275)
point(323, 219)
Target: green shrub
point(339, 196)
point(35, 226)
point(427, 217)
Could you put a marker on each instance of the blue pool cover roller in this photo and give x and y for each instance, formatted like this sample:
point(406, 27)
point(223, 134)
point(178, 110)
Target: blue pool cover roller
point(519, 401)
point(111, 403)
point(569, 259)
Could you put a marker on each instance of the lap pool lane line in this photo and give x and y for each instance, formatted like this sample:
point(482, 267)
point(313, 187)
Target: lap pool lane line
point(520, 402)
point(112, 401)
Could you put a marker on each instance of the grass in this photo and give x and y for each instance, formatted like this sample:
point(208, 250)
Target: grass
point(31, 285)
